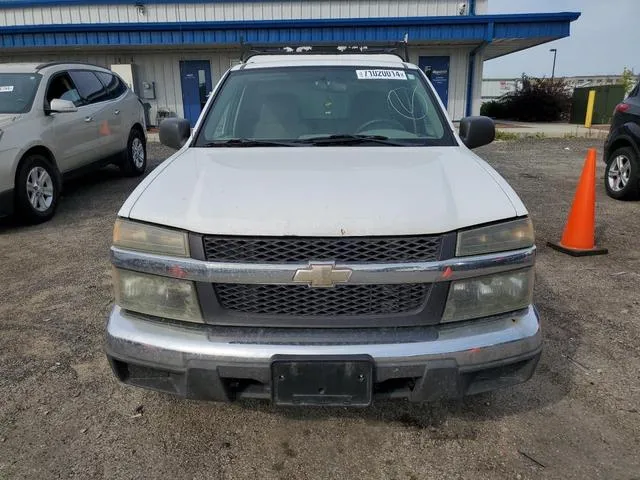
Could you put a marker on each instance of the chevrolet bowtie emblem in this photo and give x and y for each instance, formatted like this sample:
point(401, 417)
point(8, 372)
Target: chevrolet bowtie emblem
point(322, 275)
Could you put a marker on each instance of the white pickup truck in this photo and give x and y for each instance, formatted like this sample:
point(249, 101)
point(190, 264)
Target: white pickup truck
point(324, 236)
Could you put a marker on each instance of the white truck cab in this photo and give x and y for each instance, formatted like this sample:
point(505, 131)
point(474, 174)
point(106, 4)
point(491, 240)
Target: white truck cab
point(324, 236)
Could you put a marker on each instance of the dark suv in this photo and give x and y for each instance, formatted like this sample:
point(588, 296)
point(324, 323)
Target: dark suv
point(622, 149)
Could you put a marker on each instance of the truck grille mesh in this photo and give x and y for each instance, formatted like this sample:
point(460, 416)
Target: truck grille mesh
point(342, 300)
point(338, 249)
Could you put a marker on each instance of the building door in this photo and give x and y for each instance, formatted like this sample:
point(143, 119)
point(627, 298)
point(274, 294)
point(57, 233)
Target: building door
point(195, 79)
point(437, 69)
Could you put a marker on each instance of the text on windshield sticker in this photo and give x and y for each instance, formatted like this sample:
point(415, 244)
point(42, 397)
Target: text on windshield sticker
point(7, 88)
point(381, 75)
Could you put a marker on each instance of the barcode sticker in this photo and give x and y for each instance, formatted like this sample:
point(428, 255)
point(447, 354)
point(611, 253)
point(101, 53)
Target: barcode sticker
point(6, 88)
point(381, 75)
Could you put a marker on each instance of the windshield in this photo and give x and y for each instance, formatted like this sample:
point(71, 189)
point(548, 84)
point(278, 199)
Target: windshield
point(322, 106)
point(17, 91)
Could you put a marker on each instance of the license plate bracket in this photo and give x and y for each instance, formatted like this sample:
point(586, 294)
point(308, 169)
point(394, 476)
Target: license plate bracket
point(324, 381)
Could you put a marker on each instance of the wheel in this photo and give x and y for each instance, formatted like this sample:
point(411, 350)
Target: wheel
point(622, 176)
point(134, 161)
point(37, 189)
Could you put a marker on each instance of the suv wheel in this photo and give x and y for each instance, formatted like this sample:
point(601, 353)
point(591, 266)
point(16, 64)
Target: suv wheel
point(622, 178)
point(134, 162)
point(37, 189)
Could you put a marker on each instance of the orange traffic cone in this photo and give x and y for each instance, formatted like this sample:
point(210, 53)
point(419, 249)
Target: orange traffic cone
point(578, 237)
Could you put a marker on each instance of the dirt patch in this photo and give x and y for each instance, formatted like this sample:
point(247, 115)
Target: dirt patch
point(63, 415)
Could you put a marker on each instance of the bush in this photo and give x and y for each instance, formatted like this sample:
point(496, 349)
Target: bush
point(538, 100)
point(494, 109)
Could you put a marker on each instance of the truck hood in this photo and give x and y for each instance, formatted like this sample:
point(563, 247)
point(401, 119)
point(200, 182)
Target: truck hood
point(323, 191)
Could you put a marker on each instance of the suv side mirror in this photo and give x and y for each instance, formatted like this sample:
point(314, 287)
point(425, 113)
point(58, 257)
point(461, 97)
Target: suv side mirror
point(477, 131)
point(62, 106)
point(174, 132)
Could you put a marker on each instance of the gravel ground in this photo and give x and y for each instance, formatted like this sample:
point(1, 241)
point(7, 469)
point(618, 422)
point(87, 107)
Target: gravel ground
point(63, 415)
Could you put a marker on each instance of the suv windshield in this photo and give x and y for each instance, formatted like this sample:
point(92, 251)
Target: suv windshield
point(324, 106)
point(17, 91)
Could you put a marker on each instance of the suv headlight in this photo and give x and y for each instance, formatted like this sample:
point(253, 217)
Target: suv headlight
point(149, 238)
point(154, 295)
point(500, 237)
point(489, 295)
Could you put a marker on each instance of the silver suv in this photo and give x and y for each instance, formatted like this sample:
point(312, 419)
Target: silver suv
point(57, 119)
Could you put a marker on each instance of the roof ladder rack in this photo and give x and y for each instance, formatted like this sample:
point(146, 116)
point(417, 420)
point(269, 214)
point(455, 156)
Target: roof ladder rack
point(399, 49)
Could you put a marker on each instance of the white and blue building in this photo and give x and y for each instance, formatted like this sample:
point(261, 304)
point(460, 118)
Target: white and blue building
point(172, 52)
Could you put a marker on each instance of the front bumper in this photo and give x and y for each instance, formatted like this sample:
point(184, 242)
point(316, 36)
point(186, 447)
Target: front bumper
point(418, 363)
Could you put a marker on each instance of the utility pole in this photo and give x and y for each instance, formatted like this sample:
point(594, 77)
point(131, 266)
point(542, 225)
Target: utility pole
point(555, 53)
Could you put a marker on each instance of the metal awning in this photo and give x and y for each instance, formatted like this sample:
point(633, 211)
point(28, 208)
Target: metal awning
point(501, 34)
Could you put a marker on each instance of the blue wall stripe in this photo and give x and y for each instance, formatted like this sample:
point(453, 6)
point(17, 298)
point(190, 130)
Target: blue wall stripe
point(419, 29)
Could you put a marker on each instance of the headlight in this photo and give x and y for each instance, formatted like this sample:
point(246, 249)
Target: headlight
point(496, 238)
point(490, 295)
point(149, 238)
point(157, 296)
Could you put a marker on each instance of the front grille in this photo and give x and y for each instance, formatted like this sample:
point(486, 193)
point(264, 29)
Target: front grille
point(342, 300)
point(339, 249)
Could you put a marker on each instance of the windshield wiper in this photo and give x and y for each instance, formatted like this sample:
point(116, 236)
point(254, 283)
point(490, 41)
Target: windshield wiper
point(246, 142)
point(327, 140)
point(346, 139)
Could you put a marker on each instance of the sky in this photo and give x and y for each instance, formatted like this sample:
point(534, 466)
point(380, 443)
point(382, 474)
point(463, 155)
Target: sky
point(604, 40)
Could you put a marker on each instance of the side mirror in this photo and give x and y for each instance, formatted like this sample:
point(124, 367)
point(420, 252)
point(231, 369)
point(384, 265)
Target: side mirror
point(174, 132)
point(477, 131)
point(62, 106)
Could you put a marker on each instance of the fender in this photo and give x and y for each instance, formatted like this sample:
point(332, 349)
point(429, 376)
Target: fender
point(35, 145)
point(629, 133)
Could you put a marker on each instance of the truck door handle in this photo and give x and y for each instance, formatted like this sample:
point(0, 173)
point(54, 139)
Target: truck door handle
point(88, 119)
point(117, 112)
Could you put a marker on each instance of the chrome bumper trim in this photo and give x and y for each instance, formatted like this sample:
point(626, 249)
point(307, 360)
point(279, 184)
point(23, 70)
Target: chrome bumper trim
point(363, 273)
point(173, 347)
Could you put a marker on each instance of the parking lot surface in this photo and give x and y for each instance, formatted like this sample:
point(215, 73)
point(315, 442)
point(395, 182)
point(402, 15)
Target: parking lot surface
point(63, 415)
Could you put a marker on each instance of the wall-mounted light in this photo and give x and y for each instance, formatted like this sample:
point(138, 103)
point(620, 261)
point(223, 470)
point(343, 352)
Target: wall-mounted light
point(140, 8)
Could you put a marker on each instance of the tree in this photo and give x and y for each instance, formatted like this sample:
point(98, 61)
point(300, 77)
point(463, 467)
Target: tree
point(628, 80)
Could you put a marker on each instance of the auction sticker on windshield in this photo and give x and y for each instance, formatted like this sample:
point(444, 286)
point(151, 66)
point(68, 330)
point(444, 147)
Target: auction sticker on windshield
point(381, 75)
point(8, 88)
